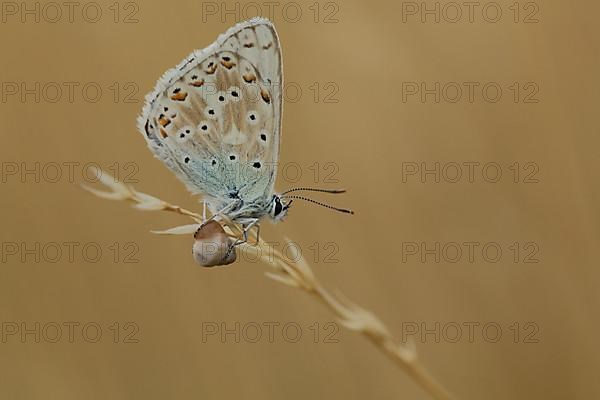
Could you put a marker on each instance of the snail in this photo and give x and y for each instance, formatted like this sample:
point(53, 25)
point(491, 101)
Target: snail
point(212, 246)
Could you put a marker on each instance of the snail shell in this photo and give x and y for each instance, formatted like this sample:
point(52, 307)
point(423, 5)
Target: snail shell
point(212, 246)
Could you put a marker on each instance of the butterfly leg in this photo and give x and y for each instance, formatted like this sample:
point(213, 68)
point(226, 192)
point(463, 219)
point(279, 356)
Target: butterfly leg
point(222, 212)
point(247, 225)
point(250, 226)
point(257, 233)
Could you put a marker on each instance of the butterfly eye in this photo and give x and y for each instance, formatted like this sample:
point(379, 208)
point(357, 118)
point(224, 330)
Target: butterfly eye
point(278, 207)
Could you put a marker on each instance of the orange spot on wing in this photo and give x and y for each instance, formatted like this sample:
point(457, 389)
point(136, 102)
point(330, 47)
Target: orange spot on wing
point(227, 64)
point(265, 96)
point(249, 78)
point(179, 96)
point(211, 68)
point(163, 121)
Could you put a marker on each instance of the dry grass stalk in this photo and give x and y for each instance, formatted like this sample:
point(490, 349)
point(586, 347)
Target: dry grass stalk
point(296, 274)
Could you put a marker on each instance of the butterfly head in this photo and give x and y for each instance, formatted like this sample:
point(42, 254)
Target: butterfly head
point(279, 207)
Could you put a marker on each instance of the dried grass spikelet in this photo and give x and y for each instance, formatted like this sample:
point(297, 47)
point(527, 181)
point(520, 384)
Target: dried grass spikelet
point(212, 243)
point(212, 246)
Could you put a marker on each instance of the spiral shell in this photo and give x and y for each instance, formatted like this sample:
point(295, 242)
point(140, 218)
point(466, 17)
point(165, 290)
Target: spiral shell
point(212, 246)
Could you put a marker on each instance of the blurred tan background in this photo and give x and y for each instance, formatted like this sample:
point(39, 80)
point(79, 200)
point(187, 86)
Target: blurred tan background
point(141, 321)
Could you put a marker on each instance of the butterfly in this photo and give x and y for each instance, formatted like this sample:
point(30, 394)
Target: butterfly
point(215, 121)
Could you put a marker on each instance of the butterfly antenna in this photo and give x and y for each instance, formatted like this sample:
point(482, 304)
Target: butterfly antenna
point(342, 210)
point(308, 189)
